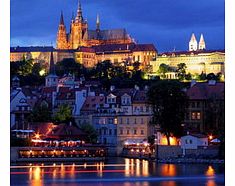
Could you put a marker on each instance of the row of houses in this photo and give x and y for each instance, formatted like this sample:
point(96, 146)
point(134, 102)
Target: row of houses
point(118, 115)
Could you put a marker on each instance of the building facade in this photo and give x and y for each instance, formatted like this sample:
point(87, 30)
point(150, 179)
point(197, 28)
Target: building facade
point(198, 60)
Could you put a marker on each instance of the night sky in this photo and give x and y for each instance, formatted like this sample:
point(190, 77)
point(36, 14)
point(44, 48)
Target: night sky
point(168, 24)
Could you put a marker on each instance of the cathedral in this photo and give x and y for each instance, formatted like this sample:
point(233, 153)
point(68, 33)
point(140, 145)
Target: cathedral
point(80, 36)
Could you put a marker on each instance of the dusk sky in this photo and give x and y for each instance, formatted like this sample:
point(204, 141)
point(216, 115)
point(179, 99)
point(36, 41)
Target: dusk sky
point(168, 24)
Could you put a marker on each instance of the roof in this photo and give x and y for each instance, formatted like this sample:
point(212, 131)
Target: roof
point(86, 49)
point(140, 97)
point(91, 102)
point(144, 47)
point(201, 91)
point(32, 49)
point(177, 53)
point(65, 131)
point(47, 90)
point(108, 34)
point(196, 135)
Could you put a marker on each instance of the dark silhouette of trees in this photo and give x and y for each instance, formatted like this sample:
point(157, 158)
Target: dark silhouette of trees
point(169, 103)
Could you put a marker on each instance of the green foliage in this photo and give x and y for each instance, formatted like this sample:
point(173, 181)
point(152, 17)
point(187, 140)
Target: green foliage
point(41, 114)
point(169, 103)
point(181, 71)
point(64, 114)
point(91, 134)
point(69, 65)
point(163, 69)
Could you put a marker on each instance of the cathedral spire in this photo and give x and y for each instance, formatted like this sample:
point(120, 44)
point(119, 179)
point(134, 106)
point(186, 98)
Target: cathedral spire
point(61, 18)
point(97, 22)
point(202, 44)
point(79, 12)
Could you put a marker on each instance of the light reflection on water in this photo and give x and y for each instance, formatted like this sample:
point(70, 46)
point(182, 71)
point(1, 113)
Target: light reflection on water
point(38, 174)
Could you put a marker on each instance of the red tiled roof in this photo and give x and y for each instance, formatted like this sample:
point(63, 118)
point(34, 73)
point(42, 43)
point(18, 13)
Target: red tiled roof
point(48, 89)
point(65, 131)
point(144, 47)
point(91, 102)
point(202, 91)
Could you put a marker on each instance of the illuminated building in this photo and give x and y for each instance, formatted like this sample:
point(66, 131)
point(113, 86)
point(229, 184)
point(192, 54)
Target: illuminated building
point(198, 60)
point(88, 47)
point(80, 35)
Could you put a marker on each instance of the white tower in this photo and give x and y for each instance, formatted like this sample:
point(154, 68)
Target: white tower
point(202, 44)
point(193, 43)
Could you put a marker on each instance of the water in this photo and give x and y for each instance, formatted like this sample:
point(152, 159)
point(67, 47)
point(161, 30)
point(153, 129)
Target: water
point(117, 172)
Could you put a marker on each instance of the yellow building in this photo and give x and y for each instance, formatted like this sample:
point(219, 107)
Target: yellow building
point(196, 61)
point(80, 35)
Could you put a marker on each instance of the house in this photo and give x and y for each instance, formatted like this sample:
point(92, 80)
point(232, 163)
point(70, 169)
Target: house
point(194, 141)
point(205, 111)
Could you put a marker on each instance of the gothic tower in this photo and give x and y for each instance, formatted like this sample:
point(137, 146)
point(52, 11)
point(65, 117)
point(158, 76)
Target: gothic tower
point(79, 30)
point(52, 78)
point(61, 42)
point(202, 44)
point(193, 43)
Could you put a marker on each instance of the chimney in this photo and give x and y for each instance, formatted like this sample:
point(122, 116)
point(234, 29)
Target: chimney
point(137, 87)
point(112, 87)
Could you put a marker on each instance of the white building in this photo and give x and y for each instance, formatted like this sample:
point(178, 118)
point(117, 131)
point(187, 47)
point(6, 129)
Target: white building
point(194, 141)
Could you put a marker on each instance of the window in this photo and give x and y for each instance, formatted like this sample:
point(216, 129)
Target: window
point(127, 132)
point(127, 120)
point(142, 132)
point(110, 131)
point(115, 131)
point(135, 131)
point(186, 141)
point(198, 115)
point(141, 109)
point(121, 131)
point(135, 121)
point(142, 121)
point(147, 108)
point(190, 141)
point(193, 104)
point(198, 104)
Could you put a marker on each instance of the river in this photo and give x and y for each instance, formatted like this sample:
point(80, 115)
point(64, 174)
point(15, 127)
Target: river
point(117, 172)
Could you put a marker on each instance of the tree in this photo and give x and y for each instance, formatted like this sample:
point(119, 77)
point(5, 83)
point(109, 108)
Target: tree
point(68, 65)
point(181, 71)
point(41, 114)
point(169, 105)
point(211, 76)
point(64, 114)
point(91, 134)
point(163, 69)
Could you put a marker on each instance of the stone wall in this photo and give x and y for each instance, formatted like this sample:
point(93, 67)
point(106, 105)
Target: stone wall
point(165, 151)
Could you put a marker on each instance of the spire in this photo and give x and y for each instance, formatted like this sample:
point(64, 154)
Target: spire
point(97, 22)
point(61, 19)
point(202, 44)
point(52, 65)
point(79, 12)
point(193, 43)
point(193, 38)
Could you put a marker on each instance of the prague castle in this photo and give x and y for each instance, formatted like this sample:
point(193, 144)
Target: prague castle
point(197, 59)
point(88, 47)
point(80, 35)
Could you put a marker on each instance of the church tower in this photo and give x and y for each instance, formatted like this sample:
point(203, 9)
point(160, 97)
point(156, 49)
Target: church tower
point(79, 30)
point(193, 43)
point(52, 78)
point(202, 44)
point(61, 42)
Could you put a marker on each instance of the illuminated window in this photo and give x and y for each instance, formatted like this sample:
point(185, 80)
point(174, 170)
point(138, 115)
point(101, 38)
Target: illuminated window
point(198, 115)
